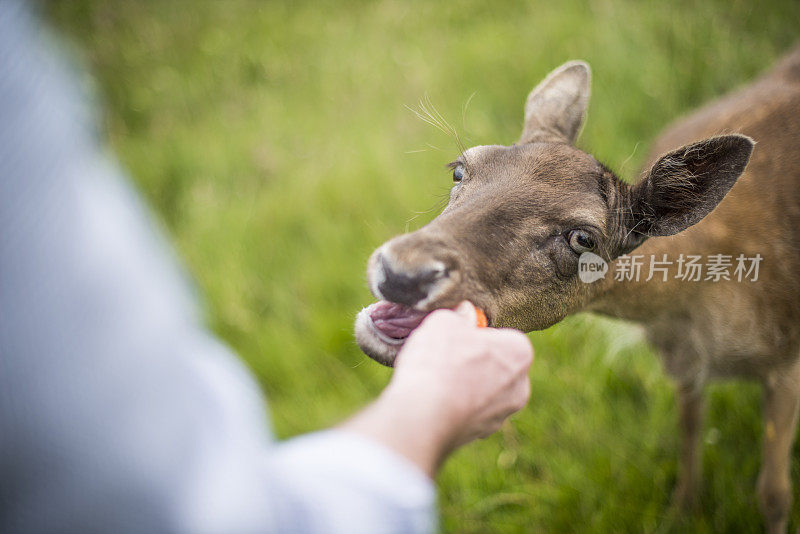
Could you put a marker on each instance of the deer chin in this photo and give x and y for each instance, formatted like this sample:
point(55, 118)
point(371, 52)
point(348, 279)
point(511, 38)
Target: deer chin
point(383, 327)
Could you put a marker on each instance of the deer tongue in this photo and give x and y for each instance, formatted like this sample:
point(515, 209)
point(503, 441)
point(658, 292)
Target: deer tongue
point(395, 320)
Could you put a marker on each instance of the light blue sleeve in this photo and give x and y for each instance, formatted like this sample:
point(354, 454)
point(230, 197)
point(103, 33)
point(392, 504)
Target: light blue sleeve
point(118, 411)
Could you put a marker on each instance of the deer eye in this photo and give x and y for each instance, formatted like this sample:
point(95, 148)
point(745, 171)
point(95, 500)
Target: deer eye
point(580, 241)
point(458, 174)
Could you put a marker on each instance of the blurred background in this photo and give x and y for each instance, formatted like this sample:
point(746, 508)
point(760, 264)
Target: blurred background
point(273, 141)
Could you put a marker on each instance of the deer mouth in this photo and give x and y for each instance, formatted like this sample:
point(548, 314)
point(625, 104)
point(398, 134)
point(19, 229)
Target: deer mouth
point(383, 327)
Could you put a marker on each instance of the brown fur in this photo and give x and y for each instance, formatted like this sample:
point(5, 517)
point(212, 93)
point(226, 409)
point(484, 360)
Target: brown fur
point(710, 330)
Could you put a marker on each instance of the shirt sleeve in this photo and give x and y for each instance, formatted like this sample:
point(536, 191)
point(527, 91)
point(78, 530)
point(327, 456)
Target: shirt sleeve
point(119, 412)
point(387, 493)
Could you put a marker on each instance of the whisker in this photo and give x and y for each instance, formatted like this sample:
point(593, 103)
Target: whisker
point(464, 110)
point(427, 112)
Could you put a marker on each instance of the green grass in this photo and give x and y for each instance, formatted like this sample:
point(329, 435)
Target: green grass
point(273, 142)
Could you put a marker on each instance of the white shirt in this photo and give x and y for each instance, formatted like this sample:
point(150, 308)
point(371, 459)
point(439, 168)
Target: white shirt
point(119, 412)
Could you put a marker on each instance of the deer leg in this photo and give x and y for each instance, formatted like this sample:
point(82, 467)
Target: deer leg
point(781, 396)
point(691, 410)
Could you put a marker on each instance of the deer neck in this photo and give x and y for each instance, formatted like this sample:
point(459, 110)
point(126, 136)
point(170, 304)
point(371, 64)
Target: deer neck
point(642, 298)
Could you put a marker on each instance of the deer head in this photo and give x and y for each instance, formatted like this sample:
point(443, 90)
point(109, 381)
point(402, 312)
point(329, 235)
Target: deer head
point(520, 216)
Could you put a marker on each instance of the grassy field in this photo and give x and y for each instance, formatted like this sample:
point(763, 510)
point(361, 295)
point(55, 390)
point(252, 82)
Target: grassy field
point(273, 142)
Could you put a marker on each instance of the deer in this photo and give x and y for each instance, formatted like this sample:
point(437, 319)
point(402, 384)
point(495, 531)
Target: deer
point(723, 181)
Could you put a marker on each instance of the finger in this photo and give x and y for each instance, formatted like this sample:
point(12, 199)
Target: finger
point(492, 425)
point(467, 311)
point(523, 394)
point(513, 346)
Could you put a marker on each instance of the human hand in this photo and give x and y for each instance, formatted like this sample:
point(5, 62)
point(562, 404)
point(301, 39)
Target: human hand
point(473, 378)
point(453, 383)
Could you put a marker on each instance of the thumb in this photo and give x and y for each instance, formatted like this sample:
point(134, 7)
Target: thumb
point(467, 311)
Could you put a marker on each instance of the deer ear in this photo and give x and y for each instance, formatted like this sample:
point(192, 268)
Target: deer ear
point(555, 109)
point(686, 184)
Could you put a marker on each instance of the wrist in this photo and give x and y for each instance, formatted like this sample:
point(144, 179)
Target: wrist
point(414, 423)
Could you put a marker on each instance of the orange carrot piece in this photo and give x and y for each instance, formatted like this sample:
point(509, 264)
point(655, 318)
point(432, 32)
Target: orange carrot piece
point(482, 321)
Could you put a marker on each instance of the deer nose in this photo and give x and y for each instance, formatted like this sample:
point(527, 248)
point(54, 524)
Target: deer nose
point(409, 286)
